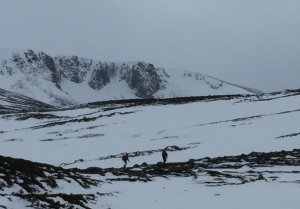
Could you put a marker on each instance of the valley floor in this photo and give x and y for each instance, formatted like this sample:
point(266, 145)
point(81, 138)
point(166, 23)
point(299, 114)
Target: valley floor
point(259, 135)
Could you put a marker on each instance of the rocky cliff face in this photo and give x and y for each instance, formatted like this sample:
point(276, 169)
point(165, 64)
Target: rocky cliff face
point(73, 68)
point(102, 74)
point(32, 64)
point(142, 78)
point(55, 80)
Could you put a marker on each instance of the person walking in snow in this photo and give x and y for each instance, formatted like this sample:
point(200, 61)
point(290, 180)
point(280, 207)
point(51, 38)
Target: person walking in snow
point(164, 155)
point(125, 158)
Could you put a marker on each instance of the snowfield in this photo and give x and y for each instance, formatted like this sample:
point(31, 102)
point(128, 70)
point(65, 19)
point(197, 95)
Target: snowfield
point(204, 130)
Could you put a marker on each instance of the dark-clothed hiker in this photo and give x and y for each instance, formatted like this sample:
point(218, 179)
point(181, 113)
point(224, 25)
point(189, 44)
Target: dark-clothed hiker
point(125, 158)
point(164, 155)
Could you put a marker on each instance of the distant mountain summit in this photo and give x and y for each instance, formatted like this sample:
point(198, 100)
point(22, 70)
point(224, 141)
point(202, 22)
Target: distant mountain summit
point(69, 80)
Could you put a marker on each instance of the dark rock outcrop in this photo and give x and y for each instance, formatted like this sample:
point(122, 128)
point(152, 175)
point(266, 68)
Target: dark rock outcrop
point(73, 68)
point(144, 79)
point(49, 63)
point(36, 65)
point(102, 74)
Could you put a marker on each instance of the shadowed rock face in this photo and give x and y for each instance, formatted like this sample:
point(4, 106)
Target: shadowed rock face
point(49, 62)
point(144, 79)
point(102, 74)
point(73, 68)
point(100, 78)
point(35, 64)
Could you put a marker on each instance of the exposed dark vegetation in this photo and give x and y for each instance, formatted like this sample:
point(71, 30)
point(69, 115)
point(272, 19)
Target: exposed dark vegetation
point(23, 104)
point(78, 120)
point(242, 119)
point(17, 103)
point(277, 95)
point(173, 148)
point(46, 200)
point(114, 104)
point(36, 180)
point(38, 116)
point(288, 135)
point(220, 170)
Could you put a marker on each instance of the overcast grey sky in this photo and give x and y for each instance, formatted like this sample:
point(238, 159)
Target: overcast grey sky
point(250, 42)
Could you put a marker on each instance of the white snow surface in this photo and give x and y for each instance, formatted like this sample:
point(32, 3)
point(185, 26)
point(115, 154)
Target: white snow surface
point(83, 93)
point(209, 127)
point(184, 83)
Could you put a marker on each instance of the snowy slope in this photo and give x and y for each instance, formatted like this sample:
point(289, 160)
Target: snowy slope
point(69, 80)
point(13, 103)
point(183, 83)
point(83, 93)
point(251, 131)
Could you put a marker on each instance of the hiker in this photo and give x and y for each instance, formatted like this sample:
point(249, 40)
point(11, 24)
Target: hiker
point(164, 155)
point(125, 158)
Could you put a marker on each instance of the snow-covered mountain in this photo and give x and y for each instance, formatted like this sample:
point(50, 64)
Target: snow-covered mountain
point(68, 80)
